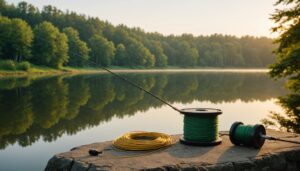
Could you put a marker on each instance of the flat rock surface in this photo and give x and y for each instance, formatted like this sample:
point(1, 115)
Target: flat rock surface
point(176, 156)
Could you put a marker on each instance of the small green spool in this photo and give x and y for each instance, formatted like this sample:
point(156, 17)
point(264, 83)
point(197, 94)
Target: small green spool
point(247, 135)
point(201, 127)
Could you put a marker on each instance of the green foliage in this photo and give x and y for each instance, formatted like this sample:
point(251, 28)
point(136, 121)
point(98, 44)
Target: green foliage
point(141, 48)
point(16, 38)
point(288, 52)
point(290, 120)
point(161, 60)
point(121, 55)
point(102, 50)
point(288, 62)
point(21, 39)
point(288, 65)
point(187, 54)
point(8, 65)
point(28, 13)
point(5, 32)
point(2, 3)
point(61, 54)
point(78, 50)
point(25, 66)
point(213, 56)
point(139, 55)
point(232, 55)
point(50, 47)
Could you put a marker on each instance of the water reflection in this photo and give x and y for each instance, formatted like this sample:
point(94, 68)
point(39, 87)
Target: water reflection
point(47, 108)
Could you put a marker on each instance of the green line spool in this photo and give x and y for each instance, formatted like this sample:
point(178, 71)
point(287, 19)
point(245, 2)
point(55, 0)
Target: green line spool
point(247, 135)
point(201, 127)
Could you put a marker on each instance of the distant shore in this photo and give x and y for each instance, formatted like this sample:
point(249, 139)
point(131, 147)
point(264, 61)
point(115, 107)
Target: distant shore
point(40, 71)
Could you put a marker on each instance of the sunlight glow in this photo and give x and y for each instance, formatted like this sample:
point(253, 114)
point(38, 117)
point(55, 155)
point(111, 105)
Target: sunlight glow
point(198, 17)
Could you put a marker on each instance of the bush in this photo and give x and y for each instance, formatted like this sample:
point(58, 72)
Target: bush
point(24, 66)
point(8, 65)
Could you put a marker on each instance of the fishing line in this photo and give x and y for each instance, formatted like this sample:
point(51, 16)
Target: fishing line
point(201, 126)
point(203, 129)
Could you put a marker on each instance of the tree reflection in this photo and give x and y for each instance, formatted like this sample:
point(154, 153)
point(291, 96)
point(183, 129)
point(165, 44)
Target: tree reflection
point(50, 101)
point(78, 96)
point(16, 113)
point(47, 108)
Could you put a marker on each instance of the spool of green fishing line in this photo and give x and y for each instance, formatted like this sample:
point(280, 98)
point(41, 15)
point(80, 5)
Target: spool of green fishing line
point(200, 126)
point(247, 135)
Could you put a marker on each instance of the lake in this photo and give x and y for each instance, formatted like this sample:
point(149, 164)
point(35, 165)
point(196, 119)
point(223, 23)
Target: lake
point(40, 117)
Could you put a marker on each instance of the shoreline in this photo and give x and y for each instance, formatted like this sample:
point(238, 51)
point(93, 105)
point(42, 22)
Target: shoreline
point(75, 71)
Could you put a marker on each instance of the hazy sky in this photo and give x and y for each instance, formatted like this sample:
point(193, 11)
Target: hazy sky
point(199, 17)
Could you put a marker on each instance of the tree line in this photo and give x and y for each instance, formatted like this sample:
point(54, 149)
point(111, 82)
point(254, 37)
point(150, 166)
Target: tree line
point(72, 104)
point(55, 38)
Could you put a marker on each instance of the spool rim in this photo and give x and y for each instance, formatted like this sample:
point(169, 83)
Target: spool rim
point(201, 111)
point(196, 143)
point(258, 141)
point(232, 132)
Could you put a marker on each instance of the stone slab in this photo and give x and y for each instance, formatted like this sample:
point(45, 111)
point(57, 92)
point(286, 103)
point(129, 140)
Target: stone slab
point(274, 155)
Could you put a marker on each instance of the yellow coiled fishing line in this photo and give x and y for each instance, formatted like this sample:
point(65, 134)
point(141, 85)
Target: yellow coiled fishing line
point(141, 141)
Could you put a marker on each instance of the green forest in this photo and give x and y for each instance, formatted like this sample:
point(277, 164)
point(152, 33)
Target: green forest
point(54, 38)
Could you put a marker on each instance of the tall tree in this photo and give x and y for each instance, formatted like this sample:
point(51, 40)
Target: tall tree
point(50, 47)
point(102, 50)
point(29, 13)
point(161, 60)
point(232, 54)
point(188, 56)
point(139, 55)
point(78, 50)
point(288, 52)
point(288, 63)
point(21, 39)
point(5, 32)
point(213, 55)
point(2, 5)
point(16, 38)
point(121, 55)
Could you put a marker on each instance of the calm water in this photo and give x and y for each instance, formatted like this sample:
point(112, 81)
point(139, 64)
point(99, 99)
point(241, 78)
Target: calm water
point(41, 117)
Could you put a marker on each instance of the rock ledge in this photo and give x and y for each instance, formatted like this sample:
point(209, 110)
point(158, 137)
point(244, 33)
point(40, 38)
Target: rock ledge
point(274, 155)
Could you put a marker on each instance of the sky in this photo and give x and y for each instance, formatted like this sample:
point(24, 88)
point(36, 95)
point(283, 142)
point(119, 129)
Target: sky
point(198, 17)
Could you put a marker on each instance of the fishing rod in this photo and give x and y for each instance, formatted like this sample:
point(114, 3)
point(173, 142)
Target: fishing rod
point(139, 87)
